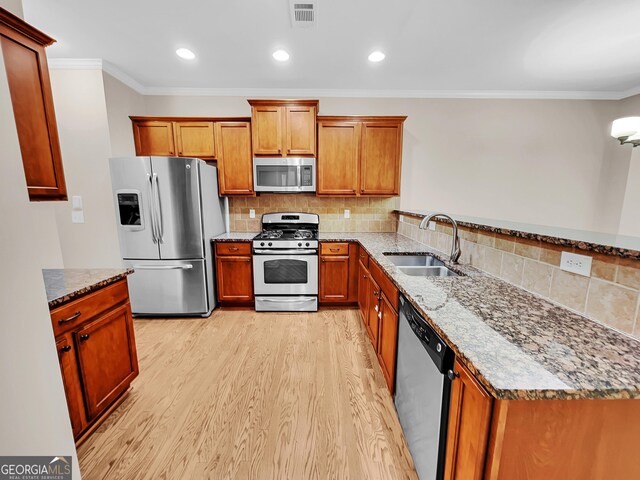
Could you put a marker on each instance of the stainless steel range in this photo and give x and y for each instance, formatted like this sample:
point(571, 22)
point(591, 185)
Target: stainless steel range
point(285, 263)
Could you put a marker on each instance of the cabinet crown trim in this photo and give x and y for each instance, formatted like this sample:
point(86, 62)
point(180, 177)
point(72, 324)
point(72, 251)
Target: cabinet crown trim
point(135, 118)
point(19, 25)
point(360, 118)
point(283, 103)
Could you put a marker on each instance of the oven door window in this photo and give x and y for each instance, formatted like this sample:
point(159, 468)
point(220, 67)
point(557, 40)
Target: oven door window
point(286, 271)
point(276, 176)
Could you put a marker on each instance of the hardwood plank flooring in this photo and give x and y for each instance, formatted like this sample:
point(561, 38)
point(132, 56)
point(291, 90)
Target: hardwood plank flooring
point(246, 395)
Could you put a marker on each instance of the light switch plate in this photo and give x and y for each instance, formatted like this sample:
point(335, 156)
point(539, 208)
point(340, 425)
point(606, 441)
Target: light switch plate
point(77, 216)
point(252, 213)
point(76, 202)
point(347, 213)
point(574, 263)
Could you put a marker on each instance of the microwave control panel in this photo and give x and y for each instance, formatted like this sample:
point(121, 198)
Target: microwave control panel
point(306, 179)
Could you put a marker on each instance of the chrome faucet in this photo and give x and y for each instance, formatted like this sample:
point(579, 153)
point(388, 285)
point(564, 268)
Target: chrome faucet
point(455, 246)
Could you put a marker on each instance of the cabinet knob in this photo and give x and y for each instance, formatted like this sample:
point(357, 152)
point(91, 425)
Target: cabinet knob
point(84, 337)
point(66, 348)
point(375, 293)
point(452, 375)
point(70, 319)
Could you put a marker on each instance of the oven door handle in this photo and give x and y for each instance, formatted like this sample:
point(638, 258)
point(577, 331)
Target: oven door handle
point(286, 300)
point(285, 252)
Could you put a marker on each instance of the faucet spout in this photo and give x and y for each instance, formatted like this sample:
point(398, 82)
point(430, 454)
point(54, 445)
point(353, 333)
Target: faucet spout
point(455, 245)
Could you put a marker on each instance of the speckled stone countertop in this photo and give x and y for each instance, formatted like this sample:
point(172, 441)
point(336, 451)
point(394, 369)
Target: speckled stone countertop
point(66, 284)
point(518, 345)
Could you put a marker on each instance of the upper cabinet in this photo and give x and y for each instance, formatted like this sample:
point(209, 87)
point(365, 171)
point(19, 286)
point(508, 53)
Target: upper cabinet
point(227, 140)
point(30, 88)
point(359, 155)
point(284, 127)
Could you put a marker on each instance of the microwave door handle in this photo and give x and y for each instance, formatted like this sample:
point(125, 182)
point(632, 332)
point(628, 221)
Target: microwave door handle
point(299, 179)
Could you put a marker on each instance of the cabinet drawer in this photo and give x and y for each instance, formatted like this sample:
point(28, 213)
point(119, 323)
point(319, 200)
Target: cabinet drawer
point(228, 248)
point(87, 307)
point(385, 283)
point(363, 257)
point(334, 249)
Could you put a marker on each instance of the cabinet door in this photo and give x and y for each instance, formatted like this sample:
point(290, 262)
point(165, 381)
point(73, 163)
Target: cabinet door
point(107, 355)
point(373, 319)
point(29, 86)
point(235, 164)
point(301, 130)
point(338, 153)
point(334, 278)
point(235, 279)
point(363, 292)
point(195, 139)
point(267, 125)
point(380, 158)
point(71, 381)
point(388, 341)
point(153, 138)
point(469, 418)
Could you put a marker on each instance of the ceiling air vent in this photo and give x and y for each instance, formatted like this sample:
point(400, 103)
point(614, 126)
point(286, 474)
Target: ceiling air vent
point(303, 13)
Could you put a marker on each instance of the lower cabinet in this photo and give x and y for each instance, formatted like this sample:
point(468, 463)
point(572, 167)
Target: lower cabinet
point(469, 419)
point(106, 354)
point(97, 353)
point(377, 302)
point(234, 273)
point(338, 272)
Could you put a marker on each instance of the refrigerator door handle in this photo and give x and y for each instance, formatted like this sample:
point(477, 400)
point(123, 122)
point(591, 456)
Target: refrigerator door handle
point(152, 210)
point(163, 267)
point(158, 209)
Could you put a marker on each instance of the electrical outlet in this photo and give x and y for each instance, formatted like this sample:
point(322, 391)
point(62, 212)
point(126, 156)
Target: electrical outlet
point(347, 213)
point(432, 226)
point(252, 213)
point(574, 263)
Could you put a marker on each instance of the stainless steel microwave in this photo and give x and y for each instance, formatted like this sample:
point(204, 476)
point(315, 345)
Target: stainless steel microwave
point(284, 174)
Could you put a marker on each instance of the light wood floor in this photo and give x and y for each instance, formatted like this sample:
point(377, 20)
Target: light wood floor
point(252, 395)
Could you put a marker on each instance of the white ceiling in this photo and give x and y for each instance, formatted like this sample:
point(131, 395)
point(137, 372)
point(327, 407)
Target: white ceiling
point(580, 48)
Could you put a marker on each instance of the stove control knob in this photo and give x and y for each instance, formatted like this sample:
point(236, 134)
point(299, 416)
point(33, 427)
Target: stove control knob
point(270, 243)
point(307, 244)
point(300, 244)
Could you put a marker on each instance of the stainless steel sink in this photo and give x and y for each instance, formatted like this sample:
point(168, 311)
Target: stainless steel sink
point(414, 260)
point(428, 271)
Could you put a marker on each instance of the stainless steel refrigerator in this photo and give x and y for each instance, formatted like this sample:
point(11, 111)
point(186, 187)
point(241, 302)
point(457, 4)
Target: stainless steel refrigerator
point(168, 210)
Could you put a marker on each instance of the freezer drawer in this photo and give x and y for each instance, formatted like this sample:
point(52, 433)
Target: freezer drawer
point(168, 287)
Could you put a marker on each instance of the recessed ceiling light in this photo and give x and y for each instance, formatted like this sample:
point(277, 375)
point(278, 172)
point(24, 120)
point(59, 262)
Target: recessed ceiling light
point(185, 53)
point(376, 56)
point(281, 55)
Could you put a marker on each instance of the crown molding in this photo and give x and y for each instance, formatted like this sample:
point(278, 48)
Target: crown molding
point(114, 71)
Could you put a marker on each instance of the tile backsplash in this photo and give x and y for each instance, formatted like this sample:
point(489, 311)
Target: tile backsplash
point(611, 295)
point(366, 214)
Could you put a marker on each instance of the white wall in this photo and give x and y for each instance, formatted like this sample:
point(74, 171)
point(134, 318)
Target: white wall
point(81, 113)
point(548, 162)
point(122, 102)
point(33, 414)
point(630, 218)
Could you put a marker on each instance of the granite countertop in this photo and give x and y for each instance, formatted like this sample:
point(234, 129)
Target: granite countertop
point(65, 284)
point(236, 237)
point(518, 345)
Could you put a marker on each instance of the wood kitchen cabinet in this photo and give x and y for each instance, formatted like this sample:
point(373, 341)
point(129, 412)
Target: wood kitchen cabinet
point(387, 341)
point(235, 163)
point(195, 139)
point(25, 62)
point(338, 272)
point(284, 127)
point(359, 156)
point(468, 430)
point(363, 292)
point(234, 273)
point(373, 318)
point(97, 354)
point(226, 140)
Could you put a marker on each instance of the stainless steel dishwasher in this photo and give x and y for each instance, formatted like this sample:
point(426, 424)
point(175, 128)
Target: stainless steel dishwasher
point(423, 390)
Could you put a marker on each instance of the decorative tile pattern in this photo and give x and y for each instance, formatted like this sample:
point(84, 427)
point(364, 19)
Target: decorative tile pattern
point(65, 284)
point(366, 214)
point(541, 273)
